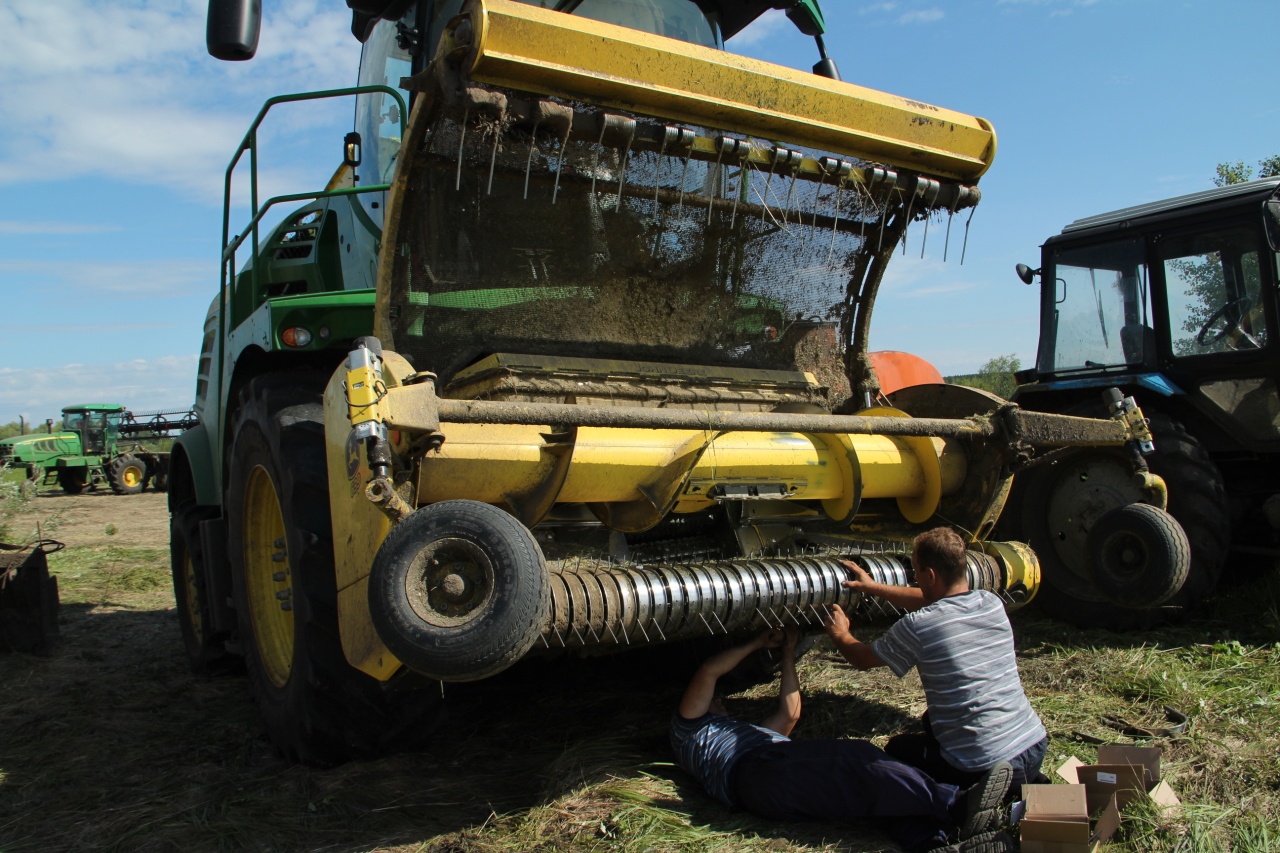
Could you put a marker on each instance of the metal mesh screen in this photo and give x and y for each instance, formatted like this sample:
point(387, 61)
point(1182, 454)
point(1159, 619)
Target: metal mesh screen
point(522, 242)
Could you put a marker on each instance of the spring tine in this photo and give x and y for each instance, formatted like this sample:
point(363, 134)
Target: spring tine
point(791, 193)
point(835, 222)
point(556, 631)
point(965, 246)
point(683, 174)
point(884, 220)
point(462, 138)
point(595, 168)
point(817, 196)
point(611, 634)
point(622, 179)
point(640, 625)
point(715, 179)
point(764, 199)
point(658, 628)
point(528, 165)
point(924, 241)
point(733, 215)
point(776, 620)
point(718, 622)
point(581, 639)
point(564, 152)
point(657, 184)
point(906, 221)
point(493, 158)
point(543, 638)
point(708, 624)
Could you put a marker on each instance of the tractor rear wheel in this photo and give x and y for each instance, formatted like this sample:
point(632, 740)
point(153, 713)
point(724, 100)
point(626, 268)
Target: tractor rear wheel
point(206, 651)
point(316, 707)
point(126, 474)
point(73, 480)
point(1053, 508)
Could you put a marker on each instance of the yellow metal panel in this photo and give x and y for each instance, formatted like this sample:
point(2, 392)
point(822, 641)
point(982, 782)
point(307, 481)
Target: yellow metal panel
point(547, 52)
point(358, 529)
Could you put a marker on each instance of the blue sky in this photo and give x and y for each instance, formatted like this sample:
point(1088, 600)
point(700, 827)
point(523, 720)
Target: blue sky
point(116, 127)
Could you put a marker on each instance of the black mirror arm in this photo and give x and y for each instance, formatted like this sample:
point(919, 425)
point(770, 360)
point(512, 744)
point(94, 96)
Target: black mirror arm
point(826, 66)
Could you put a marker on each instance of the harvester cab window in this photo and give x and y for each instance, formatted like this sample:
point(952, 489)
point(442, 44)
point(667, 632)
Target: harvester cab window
point(1100, 304)
point(1213, 285)
point(382, 63)
point(677, 19)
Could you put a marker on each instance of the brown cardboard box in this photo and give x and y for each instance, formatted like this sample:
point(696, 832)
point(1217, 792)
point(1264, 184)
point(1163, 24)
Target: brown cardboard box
point(1056, 820)
point(1123, 772)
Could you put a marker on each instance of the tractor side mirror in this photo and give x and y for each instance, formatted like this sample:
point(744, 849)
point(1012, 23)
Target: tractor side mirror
point(351, 149)
point(807, 16)
point(231, 31)
point(1026, 273)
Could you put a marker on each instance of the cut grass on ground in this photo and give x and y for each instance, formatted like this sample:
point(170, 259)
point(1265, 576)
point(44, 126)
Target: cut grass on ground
point(111, 745)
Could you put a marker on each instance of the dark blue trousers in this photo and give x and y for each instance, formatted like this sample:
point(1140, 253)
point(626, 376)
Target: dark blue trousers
point(845, 780)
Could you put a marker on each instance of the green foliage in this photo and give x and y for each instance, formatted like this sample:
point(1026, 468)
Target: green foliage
point(13, 499)
point(13, 428)
point(1238, 172)
point(995, 376)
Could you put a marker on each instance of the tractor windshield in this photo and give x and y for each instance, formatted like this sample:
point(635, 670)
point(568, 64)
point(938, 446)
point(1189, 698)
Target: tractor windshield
point(1213, 285)
point(1097, 308)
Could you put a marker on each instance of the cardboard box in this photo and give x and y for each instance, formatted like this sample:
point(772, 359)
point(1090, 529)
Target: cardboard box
point(1056, 820)
point(1124, 772)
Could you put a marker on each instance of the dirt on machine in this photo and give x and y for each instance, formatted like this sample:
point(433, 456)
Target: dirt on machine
point(569, 358)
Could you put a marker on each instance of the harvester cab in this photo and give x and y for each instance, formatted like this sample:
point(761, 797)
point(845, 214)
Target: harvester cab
point(612, 387)
point(1173, 302)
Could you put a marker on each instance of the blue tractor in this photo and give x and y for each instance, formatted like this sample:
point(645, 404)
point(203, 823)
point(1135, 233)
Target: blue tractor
point(1175, 303)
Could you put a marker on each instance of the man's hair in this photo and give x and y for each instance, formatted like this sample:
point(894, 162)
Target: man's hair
point(942, 550)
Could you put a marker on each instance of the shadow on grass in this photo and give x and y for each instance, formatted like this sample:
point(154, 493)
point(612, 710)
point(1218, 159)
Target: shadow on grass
point(112, 745)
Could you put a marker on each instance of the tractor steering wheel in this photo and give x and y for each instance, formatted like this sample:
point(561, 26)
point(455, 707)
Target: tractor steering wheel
point(1242, 305)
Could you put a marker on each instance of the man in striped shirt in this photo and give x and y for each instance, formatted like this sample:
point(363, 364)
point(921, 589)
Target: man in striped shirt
point(961, 643)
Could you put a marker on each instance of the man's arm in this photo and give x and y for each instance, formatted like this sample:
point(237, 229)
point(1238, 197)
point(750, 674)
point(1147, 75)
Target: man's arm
point(788, 713)
point(702, 687)
point(855, 652)
point(906, 597)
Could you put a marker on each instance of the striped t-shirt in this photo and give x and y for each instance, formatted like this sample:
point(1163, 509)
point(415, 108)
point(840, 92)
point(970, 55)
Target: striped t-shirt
point(962, 646)
point(710, 747)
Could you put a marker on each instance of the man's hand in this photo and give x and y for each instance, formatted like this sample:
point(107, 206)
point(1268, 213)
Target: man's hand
point(702, 688)
point(836, 623)
point(857, 653)
point(861, 580)
point(773, 638)
point(791, 637)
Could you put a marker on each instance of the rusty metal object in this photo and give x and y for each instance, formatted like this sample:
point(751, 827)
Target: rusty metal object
point(382, 493)
point(603, 605)
point(28, 599)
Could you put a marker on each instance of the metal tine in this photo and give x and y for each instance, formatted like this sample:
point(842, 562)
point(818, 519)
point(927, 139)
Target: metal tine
point(906, 220)
point(965, 247)
point(658, 628)
point(764, 197)
point(462, 138)
point(640, 625)
point(543, 638)
point(564, 152)
point(684, 173)
point(581, 639)
point(595, 168)
point(657, 171)
point(776, 619)
point(716, 616)
point(611, 634)
point(884, 220)
point(836, 220)
point(626, 158)
point(528, 165)
point(763, 618)
point(594, 635)
point(791, 192)
point(817, 194)
point(493, 158)
point(924, 241)
point(715, 179)
point(556, 630)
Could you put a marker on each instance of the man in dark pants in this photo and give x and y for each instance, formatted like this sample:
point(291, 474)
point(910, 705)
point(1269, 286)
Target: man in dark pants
point(961, 643)
point(760, 769)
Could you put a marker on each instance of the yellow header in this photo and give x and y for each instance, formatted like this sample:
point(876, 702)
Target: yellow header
point(552, 53)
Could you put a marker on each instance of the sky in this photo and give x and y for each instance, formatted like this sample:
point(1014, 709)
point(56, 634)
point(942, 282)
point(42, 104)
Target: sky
point(116, 129)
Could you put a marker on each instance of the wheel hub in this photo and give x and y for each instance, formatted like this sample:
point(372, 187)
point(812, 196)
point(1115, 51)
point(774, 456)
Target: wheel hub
point(1085, 490)
point(451, 581)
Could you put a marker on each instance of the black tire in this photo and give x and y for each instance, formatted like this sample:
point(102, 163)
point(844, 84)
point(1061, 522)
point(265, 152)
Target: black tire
point(1197, 500)
point(1139, 555)
point(320, 710)
point(126, 474)
point(73, 480)
point(206, 651)
point(481, 607)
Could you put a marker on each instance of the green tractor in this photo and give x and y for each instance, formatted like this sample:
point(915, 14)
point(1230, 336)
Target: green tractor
point(87, 451)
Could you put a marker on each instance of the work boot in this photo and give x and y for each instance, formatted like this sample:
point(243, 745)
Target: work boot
point(984, 802)
point(985, 842)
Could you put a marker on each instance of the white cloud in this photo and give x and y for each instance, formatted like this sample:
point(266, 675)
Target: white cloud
point(877, 7)
point(127, 279)
point(125, 89)
point(922, 16)
point(141, 384)
point(13, 226)
point(761, 29)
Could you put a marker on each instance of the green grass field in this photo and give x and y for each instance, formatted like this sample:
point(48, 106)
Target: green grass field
point(111, 745)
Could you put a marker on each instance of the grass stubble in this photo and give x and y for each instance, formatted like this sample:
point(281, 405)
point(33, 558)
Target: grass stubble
point(111, 744)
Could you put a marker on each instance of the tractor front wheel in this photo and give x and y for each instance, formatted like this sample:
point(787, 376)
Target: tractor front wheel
point(317, 708)
point(126, 474)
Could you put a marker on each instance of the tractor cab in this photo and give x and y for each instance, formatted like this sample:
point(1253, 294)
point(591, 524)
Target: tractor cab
point(98, 426)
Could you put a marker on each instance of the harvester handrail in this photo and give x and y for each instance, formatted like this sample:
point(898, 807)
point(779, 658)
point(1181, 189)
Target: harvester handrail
point(250, 144)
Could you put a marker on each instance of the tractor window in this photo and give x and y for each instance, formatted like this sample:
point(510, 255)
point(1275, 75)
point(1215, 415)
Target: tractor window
point(72, 421)
point(1214, 289)
point(677, 19)
point(1100, 308)
point(382, 63)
